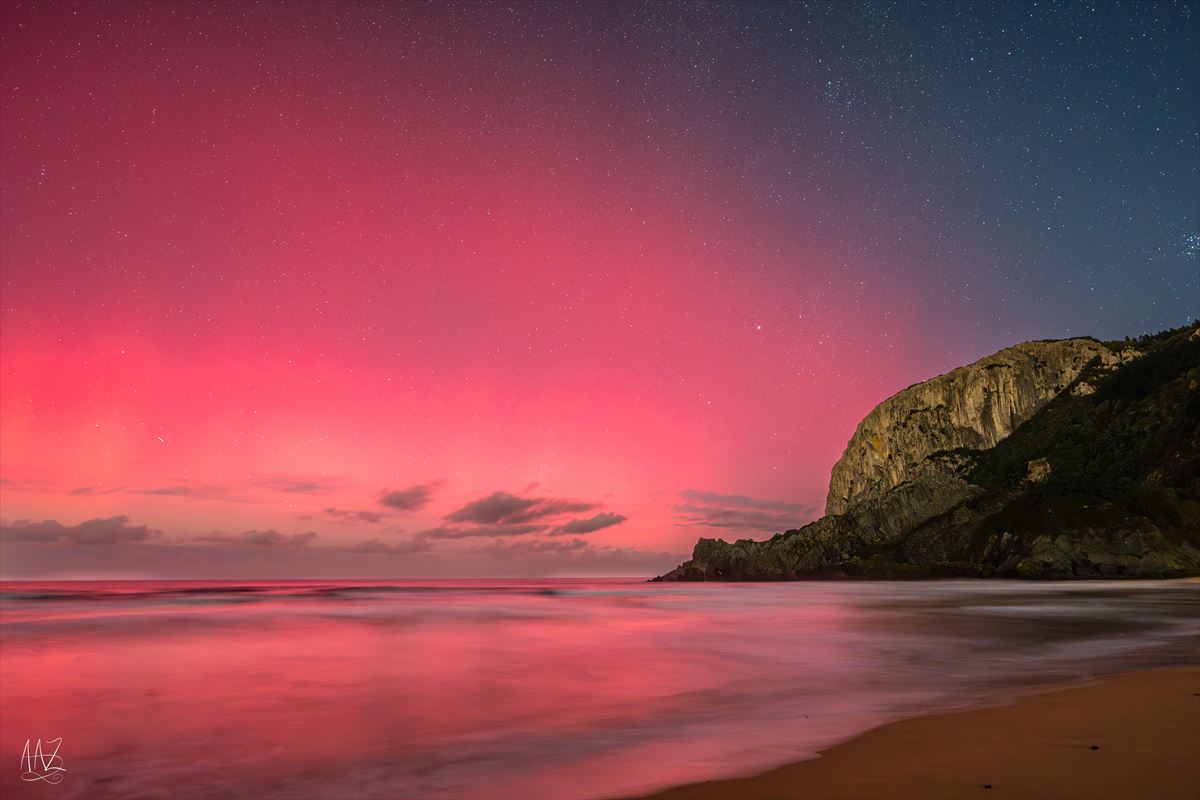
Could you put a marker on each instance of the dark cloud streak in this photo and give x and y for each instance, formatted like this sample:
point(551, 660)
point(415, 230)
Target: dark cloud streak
point(602, 520)
point(99, 531)
point(414, 498)
point(353, 516)
point(479, 531)
point(376, 545)
point(267, 538)
point(502, 508)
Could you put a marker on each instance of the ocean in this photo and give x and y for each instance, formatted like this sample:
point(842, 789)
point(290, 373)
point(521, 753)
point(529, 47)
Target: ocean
point(522, 689)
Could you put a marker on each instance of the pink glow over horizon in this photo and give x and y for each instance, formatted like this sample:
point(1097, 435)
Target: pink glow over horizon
point(244, 285)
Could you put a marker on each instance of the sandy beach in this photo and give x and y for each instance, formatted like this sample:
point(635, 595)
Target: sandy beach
point(1146, 726)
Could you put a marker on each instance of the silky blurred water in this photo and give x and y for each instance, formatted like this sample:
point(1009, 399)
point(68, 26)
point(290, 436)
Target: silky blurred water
point(523, 689)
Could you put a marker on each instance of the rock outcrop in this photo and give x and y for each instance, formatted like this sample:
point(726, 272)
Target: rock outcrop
point(1061, 459)
point(972, 408)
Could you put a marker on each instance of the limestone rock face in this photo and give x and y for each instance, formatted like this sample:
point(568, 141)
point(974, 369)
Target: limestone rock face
point(972, 407)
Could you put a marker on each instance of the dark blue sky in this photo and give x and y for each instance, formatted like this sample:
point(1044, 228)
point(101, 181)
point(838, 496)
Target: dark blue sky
point(1039, 161)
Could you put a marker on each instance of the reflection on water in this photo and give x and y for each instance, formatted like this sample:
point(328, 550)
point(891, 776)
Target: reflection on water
point(523, 689)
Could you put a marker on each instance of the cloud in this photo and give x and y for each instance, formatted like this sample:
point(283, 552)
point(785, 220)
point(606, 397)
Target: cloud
point(384, 560)
point(742, 501)
point(572, 556)
point(267, 538)
point(183, 488)
point(350, 516)
point(740, 512)
point(99, 531)
point(604, 519)
point(84, 491)
point(504, 515)
point(497, 547)
point(451, 532)
point(414, 498)
point(29, 484)
point(170, 491)
point(502, 508)
point(205, 492)
point(376, 545)
point(293, 485)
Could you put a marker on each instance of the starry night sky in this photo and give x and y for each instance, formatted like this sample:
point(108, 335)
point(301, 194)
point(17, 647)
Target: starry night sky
point(541, 288)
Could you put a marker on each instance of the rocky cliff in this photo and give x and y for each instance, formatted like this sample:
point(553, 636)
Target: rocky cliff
point(972, 407)
point(1054, 459)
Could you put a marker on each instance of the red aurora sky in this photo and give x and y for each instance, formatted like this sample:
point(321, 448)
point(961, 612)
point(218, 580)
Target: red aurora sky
point(406, 290)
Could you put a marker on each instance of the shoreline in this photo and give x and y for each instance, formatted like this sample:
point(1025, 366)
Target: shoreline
point(1145, 726)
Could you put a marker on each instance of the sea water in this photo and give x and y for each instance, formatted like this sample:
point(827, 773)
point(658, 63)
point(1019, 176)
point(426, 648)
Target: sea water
point(519, 689)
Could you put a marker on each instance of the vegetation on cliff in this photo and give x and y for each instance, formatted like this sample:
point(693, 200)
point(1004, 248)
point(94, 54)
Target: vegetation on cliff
point(1127, 449)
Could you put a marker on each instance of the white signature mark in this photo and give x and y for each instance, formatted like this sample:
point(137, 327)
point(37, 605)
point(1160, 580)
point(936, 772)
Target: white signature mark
point(41, 764)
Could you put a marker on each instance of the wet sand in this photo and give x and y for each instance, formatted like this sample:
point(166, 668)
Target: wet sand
point(1145, 724)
